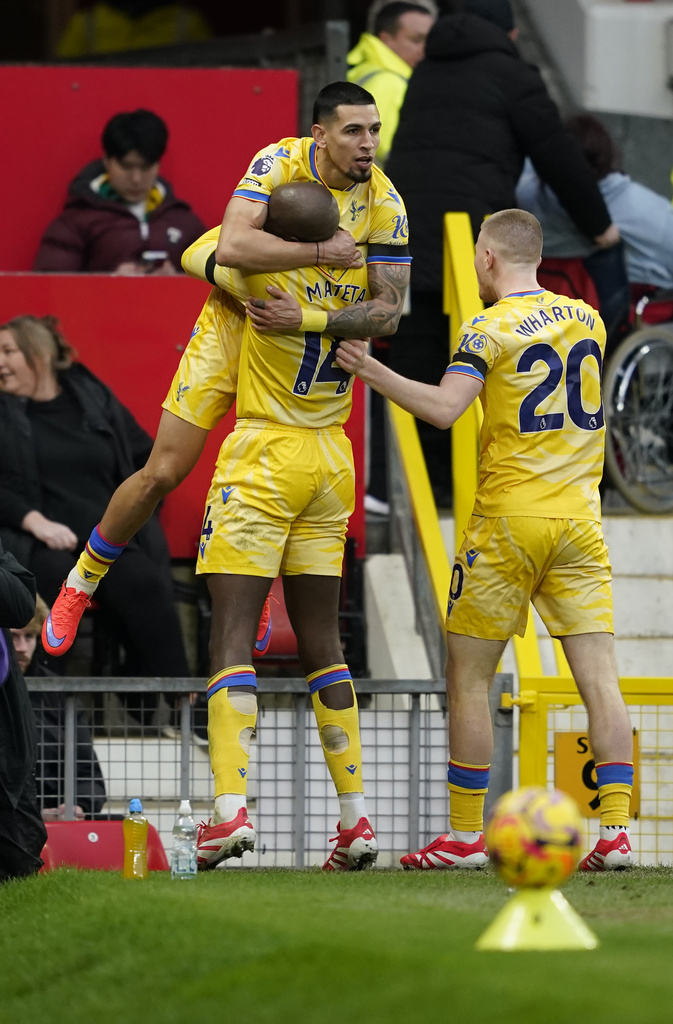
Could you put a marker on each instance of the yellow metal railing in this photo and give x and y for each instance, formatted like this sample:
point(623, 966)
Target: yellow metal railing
point(549, 705)
point(423, 506)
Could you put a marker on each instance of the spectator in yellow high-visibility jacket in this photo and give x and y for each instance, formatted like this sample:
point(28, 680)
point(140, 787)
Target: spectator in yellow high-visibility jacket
point(382, 61)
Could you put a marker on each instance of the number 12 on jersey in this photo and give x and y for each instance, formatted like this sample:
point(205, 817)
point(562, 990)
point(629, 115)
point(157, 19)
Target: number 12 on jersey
point(327, 370)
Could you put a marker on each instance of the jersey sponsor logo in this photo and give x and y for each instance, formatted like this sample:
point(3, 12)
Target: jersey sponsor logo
point(401, 229)
point(182, 390)
point(251, 181)
point(471, 557)
point(227, 492)
point(472, 342)
point(262, 166)
point(356, 210)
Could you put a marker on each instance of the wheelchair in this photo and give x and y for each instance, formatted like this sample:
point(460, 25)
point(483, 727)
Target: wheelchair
point(637, 389)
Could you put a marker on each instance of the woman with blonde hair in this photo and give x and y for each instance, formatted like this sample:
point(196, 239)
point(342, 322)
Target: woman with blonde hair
point(66, 443)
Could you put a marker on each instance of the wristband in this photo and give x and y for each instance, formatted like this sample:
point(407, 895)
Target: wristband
point(314, 320)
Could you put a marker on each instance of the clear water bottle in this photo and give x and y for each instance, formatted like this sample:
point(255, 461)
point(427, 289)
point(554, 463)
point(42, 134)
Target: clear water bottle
point(183, 853)
point(135, 828)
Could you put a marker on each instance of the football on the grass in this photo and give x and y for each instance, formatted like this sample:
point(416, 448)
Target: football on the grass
point(534, 836)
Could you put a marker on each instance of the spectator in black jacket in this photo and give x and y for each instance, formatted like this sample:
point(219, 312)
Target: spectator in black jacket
point(66, 443)
point(49, 710)
point(472, 113)
point(22, 831)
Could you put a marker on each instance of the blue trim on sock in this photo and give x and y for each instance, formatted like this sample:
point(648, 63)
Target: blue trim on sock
point(100, 546)
point(339, 675)
point(233, 679)
point(467, 778)
point(614, 771)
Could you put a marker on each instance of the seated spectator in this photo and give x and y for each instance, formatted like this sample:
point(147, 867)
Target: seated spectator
point(120, 217)
point(130, 25)
point(49, 710)
point(66, 443)
point(644, 219)
point(22, 831)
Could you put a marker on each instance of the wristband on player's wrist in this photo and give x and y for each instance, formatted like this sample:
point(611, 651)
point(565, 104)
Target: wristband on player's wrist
point(314, 320)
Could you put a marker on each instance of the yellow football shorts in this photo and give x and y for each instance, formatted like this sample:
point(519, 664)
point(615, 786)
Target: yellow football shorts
point(561, 565)
point(204, 387)
point(279, 502)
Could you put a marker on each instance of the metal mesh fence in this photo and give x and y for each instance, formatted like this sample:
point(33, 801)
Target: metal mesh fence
point(106, 741)
point(652, 828)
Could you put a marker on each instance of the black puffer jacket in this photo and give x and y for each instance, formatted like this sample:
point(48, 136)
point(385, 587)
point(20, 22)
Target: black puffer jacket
point(472, 112)
point(20, 484)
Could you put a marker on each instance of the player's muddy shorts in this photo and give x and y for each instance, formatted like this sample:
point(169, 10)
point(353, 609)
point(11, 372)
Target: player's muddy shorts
point(279, 502)
point(561, 565)
point(204, 387)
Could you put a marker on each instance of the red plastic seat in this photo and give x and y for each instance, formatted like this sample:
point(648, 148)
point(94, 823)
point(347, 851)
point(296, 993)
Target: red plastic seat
point(95, 844)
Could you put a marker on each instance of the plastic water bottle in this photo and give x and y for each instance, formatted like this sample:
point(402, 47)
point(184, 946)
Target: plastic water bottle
point(183, 854)
point(135, 842)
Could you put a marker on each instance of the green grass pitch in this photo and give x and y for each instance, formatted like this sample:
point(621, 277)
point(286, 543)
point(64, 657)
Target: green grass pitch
point(379, 947)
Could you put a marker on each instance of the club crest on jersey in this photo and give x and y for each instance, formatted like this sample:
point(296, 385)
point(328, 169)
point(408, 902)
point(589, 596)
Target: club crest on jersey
point(182, 390)
point(262, 166)
point(356, 210)
point(472, 342)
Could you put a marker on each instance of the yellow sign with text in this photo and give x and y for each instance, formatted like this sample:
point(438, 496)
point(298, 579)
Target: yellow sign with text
point(575, 773)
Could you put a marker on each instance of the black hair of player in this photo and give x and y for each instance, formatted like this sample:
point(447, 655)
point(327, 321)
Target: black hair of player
point(388, 18)
point(138, 130)
point(339, 94)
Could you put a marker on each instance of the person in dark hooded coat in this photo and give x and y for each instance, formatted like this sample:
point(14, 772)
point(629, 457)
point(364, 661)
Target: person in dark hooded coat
point(473, 111)
point(22, 831)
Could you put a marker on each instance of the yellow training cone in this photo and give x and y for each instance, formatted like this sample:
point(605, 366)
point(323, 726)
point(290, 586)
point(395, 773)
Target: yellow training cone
point(537, 919)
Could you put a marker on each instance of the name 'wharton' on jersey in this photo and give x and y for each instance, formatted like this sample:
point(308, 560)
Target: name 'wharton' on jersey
point(541, 318)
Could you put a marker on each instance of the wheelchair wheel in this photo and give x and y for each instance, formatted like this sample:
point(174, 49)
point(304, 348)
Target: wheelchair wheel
point(638, 399)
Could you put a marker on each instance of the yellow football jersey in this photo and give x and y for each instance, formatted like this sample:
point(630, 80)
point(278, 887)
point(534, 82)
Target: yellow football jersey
point(293, 378)
point(371, 210)
point(542, 440)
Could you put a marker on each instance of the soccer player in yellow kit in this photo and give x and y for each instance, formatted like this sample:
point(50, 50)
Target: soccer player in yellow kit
point(534, 359)
point(340, 155)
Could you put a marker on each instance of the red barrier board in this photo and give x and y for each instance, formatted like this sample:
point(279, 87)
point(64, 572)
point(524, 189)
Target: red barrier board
point(130, 331)
point(52, 119)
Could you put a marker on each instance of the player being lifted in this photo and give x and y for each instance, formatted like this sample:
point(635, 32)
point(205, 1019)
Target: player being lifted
point(340, 155)
point(534, 359)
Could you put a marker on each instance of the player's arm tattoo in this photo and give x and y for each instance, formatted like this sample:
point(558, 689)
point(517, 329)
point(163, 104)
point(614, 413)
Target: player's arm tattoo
point(380, 315)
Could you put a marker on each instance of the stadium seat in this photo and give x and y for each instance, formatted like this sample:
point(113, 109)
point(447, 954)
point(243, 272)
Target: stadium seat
point(95, 844)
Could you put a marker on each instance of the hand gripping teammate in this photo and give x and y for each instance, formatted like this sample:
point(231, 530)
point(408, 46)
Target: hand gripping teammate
point(340, 155)
point(534, 359)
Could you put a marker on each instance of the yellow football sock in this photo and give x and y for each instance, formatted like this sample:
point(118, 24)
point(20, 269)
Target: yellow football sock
point(468, 785)
point(339, 731)
point(97, 557)
point(231, 723)
point(615, 798)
